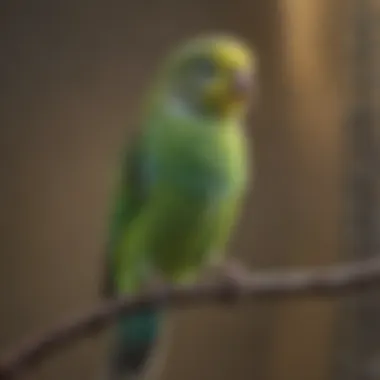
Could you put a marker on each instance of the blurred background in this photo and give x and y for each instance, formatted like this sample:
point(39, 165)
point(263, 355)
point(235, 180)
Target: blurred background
point(72, 74)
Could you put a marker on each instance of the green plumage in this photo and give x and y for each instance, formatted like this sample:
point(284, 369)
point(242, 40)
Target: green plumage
point(181, 186)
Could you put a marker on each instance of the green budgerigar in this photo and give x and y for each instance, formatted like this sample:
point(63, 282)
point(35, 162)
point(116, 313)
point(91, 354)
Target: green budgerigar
point(181, 185)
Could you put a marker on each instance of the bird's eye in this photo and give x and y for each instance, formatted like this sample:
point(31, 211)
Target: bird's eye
point(206, 68)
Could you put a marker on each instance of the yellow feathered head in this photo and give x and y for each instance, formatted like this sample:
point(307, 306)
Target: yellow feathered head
point(211, 75)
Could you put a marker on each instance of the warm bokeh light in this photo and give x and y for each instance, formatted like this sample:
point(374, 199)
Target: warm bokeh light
point(73, 76)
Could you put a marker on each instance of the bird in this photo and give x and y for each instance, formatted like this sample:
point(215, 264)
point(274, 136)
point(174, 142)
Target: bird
point(181, 184)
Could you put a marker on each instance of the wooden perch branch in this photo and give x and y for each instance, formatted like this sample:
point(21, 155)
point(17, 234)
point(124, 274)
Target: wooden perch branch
point(325, 282)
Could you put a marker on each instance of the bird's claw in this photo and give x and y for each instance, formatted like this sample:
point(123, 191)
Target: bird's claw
point(234, 271)
point(231, 271)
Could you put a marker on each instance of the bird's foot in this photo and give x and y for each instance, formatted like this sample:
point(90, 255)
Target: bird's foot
point(229, 271)
point(231, 274)
point(232, 271)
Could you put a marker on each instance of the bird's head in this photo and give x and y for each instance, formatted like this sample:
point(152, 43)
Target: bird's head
point(210, 76)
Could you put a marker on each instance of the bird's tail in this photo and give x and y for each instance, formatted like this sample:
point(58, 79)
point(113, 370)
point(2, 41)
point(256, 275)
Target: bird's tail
point(135, 336)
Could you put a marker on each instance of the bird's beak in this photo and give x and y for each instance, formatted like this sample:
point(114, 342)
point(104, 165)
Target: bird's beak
point(230, 91)
point(241, 84)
